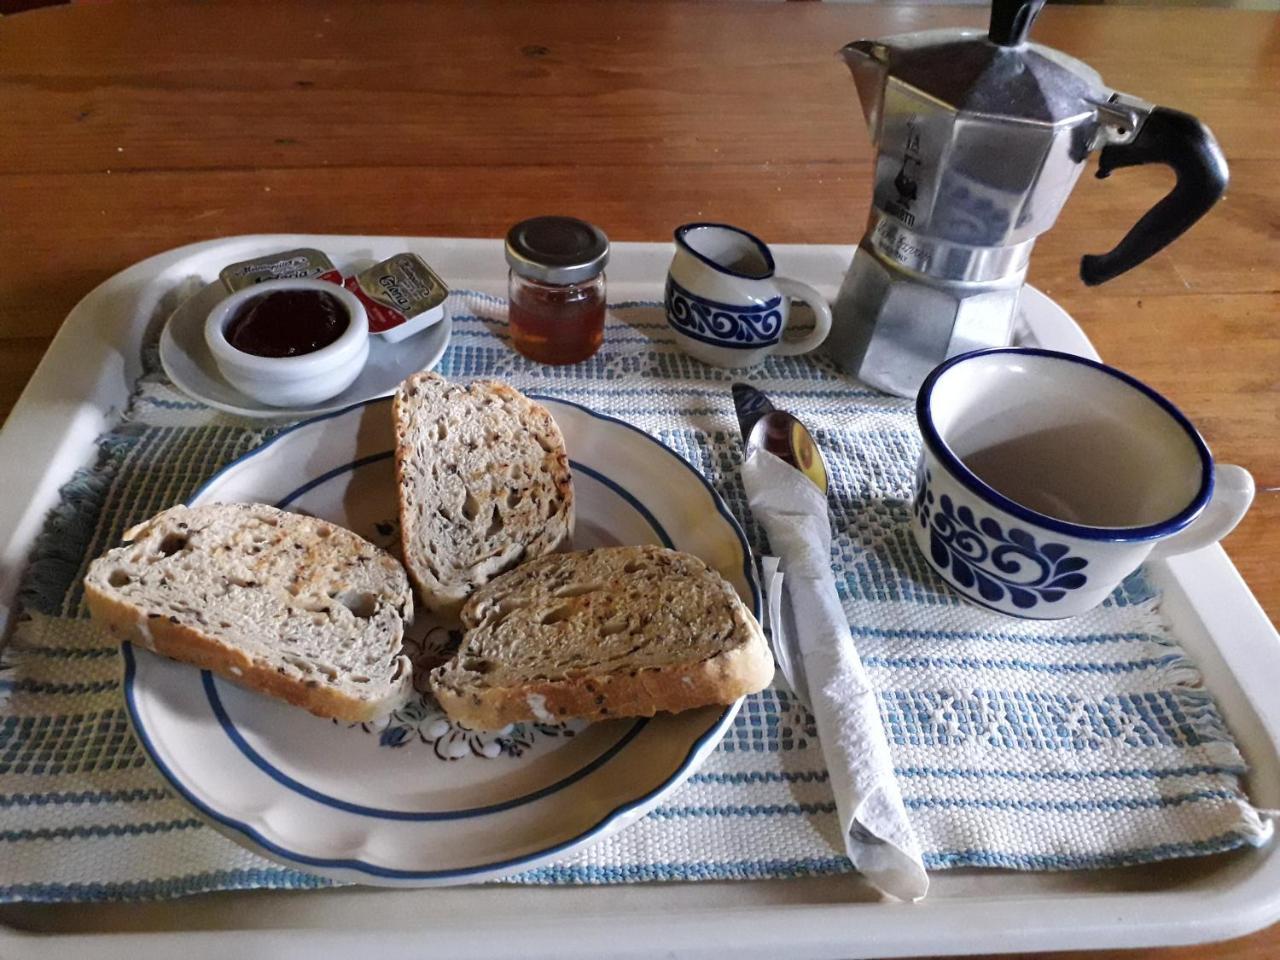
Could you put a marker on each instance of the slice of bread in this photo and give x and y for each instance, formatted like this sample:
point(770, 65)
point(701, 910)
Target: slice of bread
point(613, 632)
point(484, 485)
point(288, 605)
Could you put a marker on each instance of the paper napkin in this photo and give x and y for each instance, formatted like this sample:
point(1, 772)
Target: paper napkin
point(817, 655)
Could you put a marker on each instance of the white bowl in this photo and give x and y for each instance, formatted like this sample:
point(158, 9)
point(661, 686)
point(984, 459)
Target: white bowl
point(291, 381)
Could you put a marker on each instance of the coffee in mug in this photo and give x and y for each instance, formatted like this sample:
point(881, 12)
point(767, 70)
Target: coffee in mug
point(1046, 478)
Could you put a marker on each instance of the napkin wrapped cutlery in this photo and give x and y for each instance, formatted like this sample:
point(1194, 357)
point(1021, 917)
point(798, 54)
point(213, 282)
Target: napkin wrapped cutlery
point(814, 648)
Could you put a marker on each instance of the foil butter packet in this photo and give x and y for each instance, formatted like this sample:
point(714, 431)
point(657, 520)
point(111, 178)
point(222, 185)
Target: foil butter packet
point(402, 296)
point(301, 264)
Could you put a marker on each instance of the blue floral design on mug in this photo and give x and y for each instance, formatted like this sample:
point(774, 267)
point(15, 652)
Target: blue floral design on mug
point(983, 556)
point(747, 326)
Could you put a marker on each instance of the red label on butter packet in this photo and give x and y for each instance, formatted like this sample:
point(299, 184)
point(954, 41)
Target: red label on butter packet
point(400, 292)
point(301, 264)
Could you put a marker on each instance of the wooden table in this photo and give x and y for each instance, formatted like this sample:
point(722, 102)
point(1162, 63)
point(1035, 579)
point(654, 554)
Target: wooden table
point(130, 129)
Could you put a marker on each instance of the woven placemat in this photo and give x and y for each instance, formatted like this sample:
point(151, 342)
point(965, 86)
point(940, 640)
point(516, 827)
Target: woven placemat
point(1029, 745)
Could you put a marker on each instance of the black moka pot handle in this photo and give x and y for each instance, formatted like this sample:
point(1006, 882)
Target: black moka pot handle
point(1011, 19)
point(1181, 142)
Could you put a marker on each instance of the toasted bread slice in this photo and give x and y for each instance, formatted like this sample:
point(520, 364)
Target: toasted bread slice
point(484, 485)
point(612, 632)
point(288, 605)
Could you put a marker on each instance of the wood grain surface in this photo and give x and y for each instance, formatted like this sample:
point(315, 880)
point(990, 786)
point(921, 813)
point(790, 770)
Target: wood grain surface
point(132, 128)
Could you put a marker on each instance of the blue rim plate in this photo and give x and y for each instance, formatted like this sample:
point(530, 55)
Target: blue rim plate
point(416, 800)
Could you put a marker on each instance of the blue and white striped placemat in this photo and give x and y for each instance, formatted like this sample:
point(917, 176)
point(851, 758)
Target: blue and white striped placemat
point(1046, 746)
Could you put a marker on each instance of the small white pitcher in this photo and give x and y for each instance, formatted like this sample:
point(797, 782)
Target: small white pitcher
point(724, 303)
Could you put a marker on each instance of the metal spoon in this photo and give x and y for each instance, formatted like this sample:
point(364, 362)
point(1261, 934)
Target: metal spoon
point(765, 426)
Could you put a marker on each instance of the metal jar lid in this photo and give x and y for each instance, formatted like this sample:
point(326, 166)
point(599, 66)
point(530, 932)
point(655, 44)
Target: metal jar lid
point(557, 250)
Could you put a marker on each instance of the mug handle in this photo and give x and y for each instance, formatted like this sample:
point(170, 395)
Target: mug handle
point(1233, 490)
point(821, 317)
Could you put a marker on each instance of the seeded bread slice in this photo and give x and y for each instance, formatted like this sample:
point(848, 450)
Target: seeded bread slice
point(484, 485)
point(288, 605)
point(613, 632)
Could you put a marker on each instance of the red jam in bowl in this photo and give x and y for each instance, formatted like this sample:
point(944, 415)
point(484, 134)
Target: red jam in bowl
point(287, 323)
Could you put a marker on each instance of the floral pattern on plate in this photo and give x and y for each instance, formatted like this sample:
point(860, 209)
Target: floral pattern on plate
point(421, 721)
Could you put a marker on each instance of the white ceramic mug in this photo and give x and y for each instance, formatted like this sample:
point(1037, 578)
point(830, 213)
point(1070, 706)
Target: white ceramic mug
point(724, 303)
point(1047, 478)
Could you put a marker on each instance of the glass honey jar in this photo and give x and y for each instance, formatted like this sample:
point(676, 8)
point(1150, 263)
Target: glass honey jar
point(556, 288)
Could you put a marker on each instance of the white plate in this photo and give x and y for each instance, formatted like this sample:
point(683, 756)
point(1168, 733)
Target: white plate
point(418, 800)
point(188, 363)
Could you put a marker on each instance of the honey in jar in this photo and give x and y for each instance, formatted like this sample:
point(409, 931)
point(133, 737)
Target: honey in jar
point(556, 288)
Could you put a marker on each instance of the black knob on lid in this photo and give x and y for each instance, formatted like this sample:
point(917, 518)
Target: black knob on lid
point(1011, 19)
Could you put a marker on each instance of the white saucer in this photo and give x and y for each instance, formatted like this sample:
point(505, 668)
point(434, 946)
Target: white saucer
point(187, 362)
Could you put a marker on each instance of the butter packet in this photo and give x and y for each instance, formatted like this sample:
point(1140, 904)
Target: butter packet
point(301, 264)
point(402, 296)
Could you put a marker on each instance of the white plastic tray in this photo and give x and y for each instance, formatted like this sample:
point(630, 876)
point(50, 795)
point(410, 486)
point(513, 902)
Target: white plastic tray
point(78, 392)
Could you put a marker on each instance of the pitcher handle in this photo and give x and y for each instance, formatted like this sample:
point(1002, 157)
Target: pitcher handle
point(1233, 490)
point(821, 317)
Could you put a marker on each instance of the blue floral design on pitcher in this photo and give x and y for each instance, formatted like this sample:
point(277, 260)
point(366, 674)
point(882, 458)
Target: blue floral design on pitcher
point(995, 562)
point(744, 326)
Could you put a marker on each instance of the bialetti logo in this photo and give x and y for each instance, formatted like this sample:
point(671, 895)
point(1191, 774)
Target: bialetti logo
point(906, 183)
